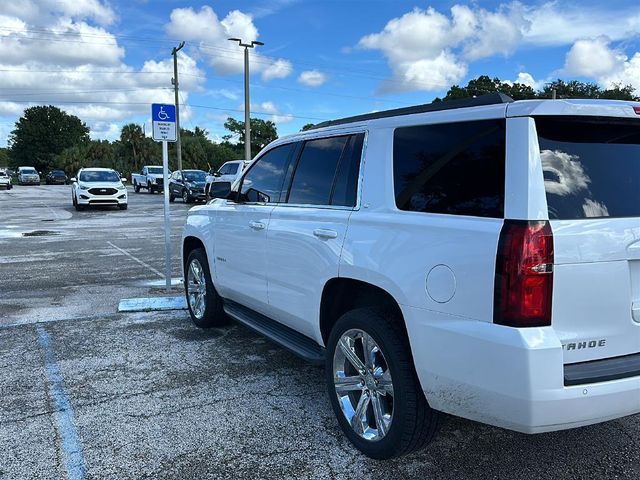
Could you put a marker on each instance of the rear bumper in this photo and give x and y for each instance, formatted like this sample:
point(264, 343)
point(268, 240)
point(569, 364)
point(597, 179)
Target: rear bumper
point(508, 377)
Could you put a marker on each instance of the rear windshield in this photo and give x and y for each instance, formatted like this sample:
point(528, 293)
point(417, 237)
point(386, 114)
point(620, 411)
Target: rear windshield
point(591, 166)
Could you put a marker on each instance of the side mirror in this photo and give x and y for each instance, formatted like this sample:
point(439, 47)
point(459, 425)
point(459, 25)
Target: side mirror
point(220, 190)
point(217, 174)
point(73, 180)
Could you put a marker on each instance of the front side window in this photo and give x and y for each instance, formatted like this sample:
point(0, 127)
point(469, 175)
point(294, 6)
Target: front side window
point(263, 182)
point(591, 166)
point(451, 168)
point(231, 169)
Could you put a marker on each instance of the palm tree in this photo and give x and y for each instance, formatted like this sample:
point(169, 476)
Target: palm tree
point(132, 136)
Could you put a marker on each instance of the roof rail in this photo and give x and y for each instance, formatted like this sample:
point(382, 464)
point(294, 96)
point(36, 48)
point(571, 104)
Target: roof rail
point(489, 99)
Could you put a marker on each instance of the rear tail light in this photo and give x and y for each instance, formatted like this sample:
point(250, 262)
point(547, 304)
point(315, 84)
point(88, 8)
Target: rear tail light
point(524, 274)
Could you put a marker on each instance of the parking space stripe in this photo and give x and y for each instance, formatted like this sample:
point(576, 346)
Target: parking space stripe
point(71, 447)
point(160, 274)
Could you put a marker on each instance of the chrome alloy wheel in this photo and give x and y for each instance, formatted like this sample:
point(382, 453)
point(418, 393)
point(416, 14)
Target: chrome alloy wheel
point(197, 289)
point(363, 384)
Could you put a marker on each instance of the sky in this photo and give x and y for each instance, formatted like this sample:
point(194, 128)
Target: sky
point(106, 61)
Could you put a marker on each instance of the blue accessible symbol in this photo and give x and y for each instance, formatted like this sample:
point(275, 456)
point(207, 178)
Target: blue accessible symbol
point(163, 113)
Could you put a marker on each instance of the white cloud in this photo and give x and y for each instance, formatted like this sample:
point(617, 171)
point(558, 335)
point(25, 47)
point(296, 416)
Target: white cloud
point(559, 23)
point(272, 110)
point(627, 73)
point(43, 11)
point(212, 34)
point(280, 68)
point(81, 68)
point(428, 50)
point(312, 78)
point(527, 79)
point(592, 58)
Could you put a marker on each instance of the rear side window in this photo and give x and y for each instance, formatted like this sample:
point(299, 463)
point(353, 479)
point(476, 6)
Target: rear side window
point(591, 166)
point(452, 168)
point(327, 172)
point(263, 183)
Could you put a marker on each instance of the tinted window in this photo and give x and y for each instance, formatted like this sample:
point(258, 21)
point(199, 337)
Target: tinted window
point(195, 175)
point(263, 183)
point(232, 169)
point(454, 168)
point(346, 186)
point(591, 166)
point(316, 170)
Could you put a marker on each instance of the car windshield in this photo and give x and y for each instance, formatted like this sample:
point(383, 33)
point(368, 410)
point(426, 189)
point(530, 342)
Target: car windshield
point(29, 171)
point(195, 176)
point(3, 174)
point(57, 172)
point(155, 170)
point(99, 176)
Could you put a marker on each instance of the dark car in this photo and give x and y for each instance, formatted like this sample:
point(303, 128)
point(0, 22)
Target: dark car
point(57, 177)
point(188, 185)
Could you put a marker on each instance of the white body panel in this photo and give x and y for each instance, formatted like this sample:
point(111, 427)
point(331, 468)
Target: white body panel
point(440, 269)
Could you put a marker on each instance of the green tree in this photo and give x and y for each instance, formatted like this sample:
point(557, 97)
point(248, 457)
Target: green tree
point(576, 89)
point(484, 84)
point(41, 135)
point(307, 126)
point(132, 137)
point(5, 161)
point(263, 132)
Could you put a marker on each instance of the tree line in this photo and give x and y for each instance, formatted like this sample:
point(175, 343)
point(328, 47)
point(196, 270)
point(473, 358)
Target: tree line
point(46, 137)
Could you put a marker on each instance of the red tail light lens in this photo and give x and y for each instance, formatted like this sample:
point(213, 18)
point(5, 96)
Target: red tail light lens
point(524, 274)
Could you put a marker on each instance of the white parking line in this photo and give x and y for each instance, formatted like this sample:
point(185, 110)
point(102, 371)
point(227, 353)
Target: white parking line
point(160, 274)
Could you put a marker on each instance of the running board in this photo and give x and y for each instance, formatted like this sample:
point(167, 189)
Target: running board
point(286, 337)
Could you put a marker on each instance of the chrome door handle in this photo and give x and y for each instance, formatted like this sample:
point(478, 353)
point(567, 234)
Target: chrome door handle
point(322, 233)
point(257, 225)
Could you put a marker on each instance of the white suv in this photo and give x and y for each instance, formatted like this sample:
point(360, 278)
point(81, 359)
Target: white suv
point(98, 186)
point(476, 257)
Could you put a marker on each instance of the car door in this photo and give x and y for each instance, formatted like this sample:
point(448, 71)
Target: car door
point(306, 232)
point(241, 230)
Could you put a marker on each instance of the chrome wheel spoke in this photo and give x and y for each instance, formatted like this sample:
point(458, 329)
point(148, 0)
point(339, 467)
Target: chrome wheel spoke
point(345, 385)
point(194, 271)
point(196, 288)
point(359, 419)
point(369, 347)
point(378, 413)
point(351, 356)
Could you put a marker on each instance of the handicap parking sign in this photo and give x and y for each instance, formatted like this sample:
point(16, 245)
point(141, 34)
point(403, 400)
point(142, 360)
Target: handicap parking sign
point(163, 117)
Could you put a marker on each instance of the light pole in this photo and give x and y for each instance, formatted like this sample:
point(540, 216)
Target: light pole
point(247, 120)
point(174, 80)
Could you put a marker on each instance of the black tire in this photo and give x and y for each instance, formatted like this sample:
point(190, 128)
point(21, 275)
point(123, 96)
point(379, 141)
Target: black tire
point(150, 188)
point(73, 200)
point(214, 315)
point(136, 187)
point(79, 207)
point(171, 197)
point(186, 198)
point(414, 422)
point(123, 206)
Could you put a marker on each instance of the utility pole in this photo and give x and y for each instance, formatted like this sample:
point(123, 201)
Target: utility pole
point(247, 105)
point(174, 81)
point(553, 94)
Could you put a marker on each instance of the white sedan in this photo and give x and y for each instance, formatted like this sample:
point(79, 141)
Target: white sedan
point(98, 186)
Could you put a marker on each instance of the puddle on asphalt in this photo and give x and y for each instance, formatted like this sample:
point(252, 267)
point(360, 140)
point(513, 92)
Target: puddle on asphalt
point(40, 233)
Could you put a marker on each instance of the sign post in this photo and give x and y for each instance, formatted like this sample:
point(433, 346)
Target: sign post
point(164, 130)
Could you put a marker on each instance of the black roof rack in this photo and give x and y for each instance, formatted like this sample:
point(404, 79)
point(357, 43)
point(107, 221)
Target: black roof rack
point(489, 99)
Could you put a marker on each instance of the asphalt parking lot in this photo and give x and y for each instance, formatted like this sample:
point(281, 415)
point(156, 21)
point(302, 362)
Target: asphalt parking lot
point(86, 392)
